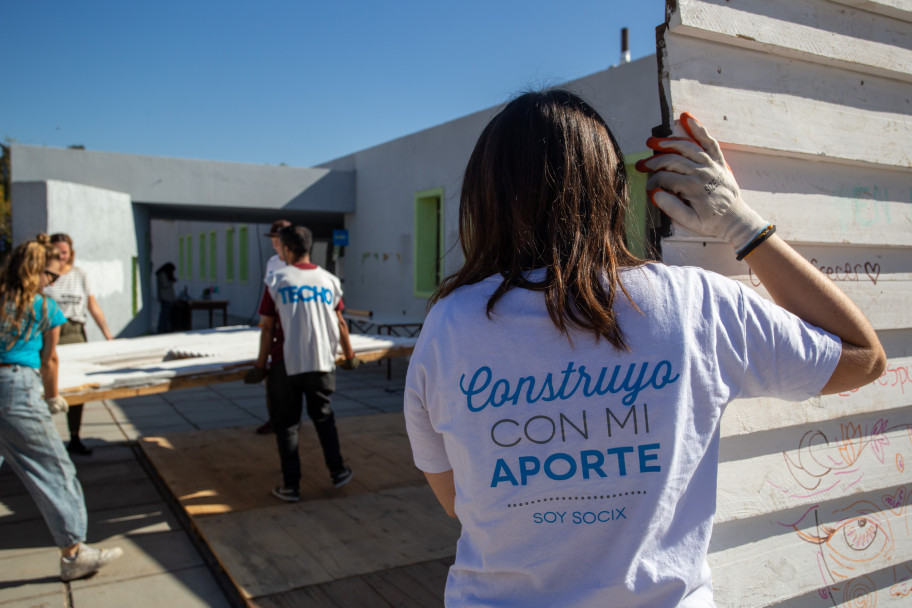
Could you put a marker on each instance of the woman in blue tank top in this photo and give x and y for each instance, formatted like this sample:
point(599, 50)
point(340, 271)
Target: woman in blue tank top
point(29, 442)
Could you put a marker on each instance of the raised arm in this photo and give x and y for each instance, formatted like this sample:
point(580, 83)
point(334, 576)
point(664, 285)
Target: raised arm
point(795, 285)
point(691, 183)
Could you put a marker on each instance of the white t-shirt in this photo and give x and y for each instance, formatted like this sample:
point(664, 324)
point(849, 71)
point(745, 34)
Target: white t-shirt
point(306, 298)
point(272, 264)
point(71, 292)
point(586, 476)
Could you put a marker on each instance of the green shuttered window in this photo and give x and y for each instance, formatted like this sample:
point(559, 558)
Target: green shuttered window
point(428, 258)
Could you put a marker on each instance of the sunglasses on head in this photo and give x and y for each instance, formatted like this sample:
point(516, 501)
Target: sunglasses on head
point(52, 276)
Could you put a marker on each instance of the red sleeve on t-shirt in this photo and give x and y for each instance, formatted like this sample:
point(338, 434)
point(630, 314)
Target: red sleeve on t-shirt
point(268, 309)
point(340, 306)
point(267, 305)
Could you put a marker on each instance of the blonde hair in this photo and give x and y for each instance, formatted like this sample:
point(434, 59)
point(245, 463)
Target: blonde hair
point(20, 280)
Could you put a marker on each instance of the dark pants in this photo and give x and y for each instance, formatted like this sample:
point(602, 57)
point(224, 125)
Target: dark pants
point(73, 332)
point(285, 396)
point(164, 316)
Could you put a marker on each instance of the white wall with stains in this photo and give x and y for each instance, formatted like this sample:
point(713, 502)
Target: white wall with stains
point(378, 263)
point(86, 213)
point(374, 188)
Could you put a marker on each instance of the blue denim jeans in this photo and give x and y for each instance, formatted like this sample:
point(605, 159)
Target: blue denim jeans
point(29, 442)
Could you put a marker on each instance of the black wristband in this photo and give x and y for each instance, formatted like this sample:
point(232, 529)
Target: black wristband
point(758, 240)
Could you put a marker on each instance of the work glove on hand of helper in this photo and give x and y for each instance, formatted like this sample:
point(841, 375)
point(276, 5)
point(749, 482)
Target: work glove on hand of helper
point(57, 404)
point(692, 184)
point(255, 376)
point(352, 363)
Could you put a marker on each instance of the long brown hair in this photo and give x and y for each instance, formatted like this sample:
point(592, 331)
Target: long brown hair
point(546, 187)
point(20, 280)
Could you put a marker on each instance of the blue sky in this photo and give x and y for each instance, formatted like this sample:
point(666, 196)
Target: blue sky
point(300, 83)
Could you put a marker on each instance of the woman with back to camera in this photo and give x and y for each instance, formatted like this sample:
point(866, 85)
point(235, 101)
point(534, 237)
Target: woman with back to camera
point(564, 396)
point(75, 295)
point(29, 330)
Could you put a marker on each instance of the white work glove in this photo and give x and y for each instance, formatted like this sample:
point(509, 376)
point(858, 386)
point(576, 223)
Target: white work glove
point(57, 404)
point(692, 184)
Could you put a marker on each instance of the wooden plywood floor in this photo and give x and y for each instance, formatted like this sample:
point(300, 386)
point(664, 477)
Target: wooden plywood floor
point(381, 540)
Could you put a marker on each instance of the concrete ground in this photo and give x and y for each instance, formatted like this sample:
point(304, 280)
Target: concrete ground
point(163, 563)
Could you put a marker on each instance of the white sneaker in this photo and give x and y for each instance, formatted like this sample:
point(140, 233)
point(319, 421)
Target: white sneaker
point(87, 561)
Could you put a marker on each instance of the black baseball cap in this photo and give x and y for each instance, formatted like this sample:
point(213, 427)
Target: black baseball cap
point(276, 226)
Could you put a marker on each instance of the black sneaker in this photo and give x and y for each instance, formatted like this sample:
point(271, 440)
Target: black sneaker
point(287, 494)
point(340, 478)
point(75, 446)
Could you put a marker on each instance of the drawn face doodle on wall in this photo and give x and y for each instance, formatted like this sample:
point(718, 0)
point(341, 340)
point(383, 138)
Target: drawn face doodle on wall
point(856, 541)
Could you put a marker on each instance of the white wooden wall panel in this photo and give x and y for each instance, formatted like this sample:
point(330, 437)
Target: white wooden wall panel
point(893, 390)
point(752, 99)
point(812, 102)
point(878, 281)
point(896, 9)
point(765, 571)
point(817, 469)
point(841, 263)
point(886, 304)
point(818, 202)
point(855, 39)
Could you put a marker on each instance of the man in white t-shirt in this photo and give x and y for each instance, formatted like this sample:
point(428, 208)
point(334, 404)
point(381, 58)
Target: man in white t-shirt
point(275, 262)
point(272, 264)
point(307, 300)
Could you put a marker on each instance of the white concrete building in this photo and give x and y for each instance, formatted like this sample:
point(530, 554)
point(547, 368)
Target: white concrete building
point(811, 101)
point(130, 214)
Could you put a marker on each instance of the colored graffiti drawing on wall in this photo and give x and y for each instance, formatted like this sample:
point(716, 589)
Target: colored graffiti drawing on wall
point(856, 538)
point(895, 377)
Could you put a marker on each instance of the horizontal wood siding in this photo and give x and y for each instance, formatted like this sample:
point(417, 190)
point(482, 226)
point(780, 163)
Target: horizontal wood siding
point(897, 9)
point(892, 391)
point(815, 202)
point(812, 102)
point(855, 40)
point(790, 107)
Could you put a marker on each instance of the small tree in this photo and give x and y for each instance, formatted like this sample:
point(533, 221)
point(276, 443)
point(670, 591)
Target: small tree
point(6, 220)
